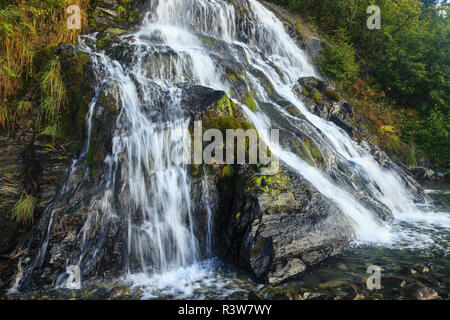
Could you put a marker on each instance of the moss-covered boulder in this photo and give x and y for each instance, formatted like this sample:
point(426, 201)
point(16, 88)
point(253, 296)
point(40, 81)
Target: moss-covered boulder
point(107, 38)
point(123, 14)
point(322, 99)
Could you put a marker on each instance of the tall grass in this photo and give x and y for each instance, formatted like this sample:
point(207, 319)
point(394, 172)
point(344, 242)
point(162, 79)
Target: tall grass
point(23, 211)
point(410, 156)
point(25, 26)
point(53, 91)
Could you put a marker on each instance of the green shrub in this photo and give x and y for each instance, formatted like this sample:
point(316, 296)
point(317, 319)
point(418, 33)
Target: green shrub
point(432, 134)
point(53, 93)
point(338, 62)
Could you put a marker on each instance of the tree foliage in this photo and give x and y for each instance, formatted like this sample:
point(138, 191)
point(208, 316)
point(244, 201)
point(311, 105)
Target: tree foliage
point(408, 58)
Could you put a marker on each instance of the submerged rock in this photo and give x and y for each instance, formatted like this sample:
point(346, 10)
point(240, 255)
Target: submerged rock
point(421, 292)
point(313, 295)
point(427, 174)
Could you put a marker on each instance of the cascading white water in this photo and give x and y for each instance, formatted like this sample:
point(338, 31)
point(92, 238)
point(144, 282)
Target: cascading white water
point(169, 48)
point(194, 41)
point(268, 49)
point(159, 194)
point(385, 185)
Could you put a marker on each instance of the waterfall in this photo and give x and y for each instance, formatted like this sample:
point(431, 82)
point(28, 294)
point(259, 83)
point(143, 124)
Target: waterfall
point(195, 41)
point(268, 49)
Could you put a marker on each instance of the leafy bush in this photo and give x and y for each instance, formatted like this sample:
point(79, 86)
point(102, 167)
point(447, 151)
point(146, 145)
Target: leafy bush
point(432, 134)
point(338, 62)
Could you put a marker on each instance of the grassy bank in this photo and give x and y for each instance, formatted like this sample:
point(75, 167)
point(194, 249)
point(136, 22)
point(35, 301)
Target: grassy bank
point(30, 80)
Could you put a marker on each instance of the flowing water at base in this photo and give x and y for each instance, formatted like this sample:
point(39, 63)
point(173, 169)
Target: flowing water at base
point(342, 277)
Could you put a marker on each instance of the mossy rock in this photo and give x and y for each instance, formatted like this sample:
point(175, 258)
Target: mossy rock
point(226, 106)
point(208, 41)
point(122, 13)
point(309, 152)
point(283, 202)
point(293, 111)
point(233, 76)
point(250, 102)
point(108, 37)
point(332, 94)
point(227, 122)
point(115, 31)
point(275, 184)
point(316, 95)
point(228, 172)
point(305, 92)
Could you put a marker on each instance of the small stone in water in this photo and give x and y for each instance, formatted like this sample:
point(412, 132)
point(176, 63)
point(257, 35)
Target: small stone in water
point(407, 270)
point(359, 297)
point(312, 295)
point(119, 291)
point(421, 268)
point(422, 292)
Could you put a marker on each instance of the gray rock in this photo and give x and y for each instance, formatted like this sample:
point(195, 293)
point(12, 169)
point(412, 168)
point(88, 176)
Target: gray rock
point(421, 292)
point(313, 295)
point(277, 234)
point(292, 268)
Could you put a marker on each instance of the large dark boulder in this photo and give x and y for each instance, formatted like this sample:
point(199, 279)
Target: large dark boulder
point(277, 226)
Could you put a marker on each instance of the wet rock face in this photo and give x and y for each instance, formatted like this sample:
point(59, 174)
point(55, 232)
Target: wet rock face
point(274, 226)
point(323, 100)
point(12, 178)
point(79, 226)
point(278, 226)
point(124, 14)
point(36, 164)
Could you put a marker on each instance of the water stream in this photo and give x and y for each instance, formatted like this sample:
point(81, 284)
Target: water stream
point(195, 41)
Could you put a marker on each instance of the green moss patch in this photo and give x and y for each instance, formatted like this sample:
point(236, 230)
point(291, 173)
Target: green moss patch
point(332, 94)
point(316, 95)
point(250, 102)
